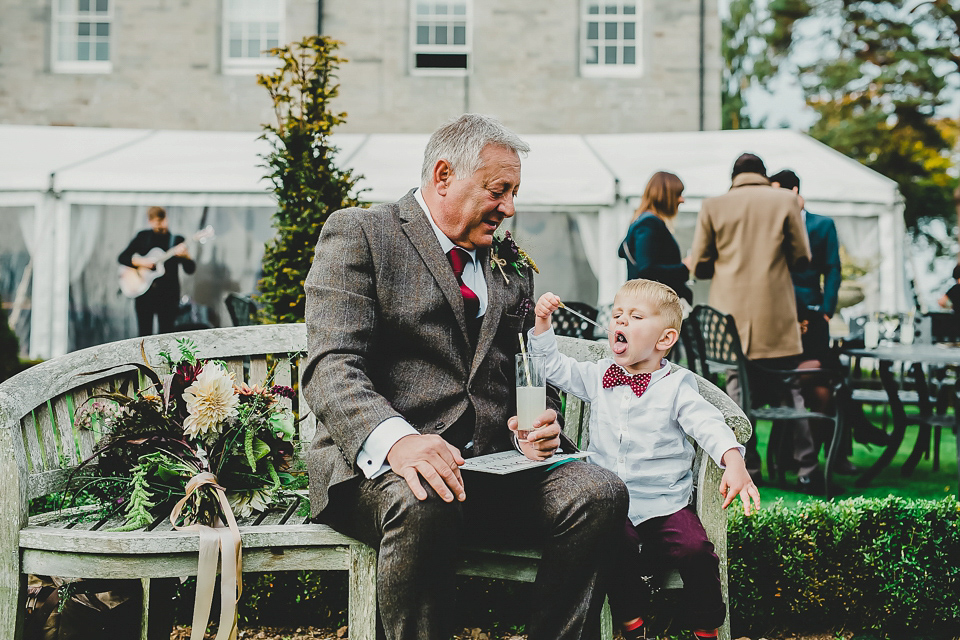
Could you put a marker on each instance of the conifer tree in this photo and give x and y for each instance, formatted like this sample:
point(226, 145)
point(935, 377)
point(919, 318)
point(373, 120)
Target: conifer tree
point(307, 183)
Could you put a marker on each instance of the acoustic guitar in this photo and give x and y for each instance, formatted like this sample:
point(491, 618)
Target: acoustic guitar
point(135, 281)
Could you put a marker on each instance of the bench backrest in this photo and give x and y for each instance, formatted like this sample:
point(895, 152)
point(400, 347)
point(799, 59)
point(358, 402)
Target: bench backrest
point(39, 444)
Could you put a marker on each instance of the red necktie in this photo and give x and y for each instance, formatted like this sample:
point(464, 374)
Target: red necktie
point(458, 260)
point(615, 376)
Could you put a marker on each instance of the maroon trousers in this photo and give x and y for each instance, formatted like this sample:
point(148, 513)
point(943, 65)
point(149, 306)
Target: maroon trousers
point(654, 547)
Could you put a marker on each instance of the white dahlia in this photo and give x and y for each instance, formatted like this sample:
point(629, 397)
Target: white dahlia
point(210, 401)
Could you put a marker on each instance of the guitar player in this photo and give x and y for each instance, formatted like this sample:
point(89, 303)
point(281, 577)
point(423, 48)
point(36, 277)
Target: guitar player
point(162, 299)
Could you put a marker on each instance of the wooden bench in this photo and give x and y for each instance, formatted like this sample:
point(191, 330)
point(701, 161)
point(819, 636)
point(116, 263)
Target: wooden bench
point(39, 446)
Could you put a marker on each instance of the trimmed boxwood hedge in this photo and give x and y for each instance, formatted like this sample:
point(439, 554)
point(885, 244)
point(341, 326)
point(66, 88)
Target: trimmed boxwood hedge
point(886, 566)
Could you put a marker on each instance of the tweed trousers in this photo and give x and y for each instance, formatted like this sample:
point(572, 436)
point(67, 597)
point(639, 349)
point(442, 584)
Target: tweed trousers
point(575, 510)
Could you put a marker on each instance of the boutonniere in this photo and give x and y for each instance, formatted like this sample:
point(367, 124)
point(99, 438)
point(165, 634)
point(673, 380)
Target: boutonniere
point(506, 253)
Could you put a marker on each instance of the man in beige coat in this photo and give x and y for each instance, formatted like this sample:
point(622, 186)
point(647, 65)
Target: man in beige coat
point(747, 240)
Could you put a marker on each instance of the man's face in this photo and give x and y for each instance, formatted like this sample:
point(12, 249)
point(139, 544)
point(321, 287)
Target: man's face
point(473, 207)
point(158, 224)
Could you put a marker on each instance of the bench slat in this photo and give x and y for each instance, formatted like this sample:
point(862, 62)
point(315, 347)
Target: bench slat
point(145, 543)
point(283, 376)
point(64, 423)
point(86, 437)
point(171, 565)
point(34, 453)
point(258, 370)
point(47, 434)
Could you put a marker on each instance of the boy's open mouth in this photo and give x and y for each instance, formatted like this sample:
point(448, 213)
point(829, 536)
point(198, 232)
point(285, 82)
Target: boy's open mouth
point(619, 343)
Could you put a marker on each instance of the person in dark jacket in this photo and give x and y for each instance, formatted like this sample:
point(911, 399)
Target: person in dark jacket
point(816, 288)
point(650, 249)
point(162, 299)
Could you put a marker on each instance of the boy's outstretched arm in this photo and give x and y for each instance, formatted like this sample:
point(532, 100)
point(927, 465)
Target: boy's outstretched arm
point(547, 304)
point(737, 482)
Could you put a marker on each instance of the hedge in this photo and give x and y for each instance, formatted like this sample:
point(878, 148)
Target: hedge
point(886, 566)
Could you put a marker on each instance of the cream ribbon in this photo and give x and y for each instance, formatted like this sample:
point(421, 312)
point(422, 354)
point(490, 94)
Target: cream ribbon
point(502, 264)
point(226, 541)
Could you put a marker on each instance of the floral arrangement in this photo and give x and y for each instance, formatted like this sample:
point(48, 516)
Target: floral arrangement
point(506, 253)
point(195, 419)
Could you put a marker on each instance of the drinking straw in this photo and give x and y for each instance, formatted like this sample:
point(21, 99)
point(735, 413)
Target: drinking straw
point(526, 363)
point(583, 317)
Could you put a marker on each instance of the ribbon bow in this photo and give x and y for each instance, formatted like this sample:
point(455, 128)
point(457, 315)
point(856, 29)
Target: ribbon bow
point(616, 376)
point(219, 538)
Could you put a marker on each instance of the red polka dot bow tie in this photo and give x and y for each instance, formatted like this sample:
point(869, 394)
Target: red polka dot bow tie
point(616, 376)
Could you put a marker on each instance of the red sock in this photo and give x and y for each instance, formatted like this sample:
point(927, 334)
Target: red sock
point(700, 633)
point(633, 625)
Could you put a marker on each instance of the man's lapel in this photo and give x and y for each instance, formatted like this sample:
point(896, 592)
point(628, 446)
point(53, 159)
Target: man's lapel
point(422, 237)
point(496, 295)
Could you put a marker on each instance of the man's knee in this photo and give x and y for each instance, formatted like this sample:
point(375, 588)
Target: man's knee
point(600, 493)
point(697, 552)
point(423, 517)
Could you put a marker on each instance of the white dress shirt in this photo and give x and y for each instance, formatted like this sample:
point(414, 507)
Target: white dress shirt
point(373, 454)
point(643, 440)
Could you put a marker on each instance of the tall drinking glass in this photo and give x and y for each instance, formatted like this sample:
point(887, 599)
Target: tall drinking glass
point(531, 390)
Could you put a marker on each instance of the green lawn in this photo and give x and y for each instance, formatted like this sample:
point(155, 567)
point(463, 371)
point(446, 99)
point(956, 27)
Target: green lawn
point(923, 483)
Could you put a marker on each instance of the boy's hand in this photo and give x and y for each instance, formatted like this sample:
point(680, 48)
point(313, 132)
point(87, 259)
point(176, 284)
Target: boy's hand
point(547, 304)
point(737, 482)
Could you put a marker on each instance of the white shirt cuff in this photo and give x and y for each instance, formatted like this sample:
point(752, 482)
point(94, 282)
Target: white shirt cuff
point(372, 458)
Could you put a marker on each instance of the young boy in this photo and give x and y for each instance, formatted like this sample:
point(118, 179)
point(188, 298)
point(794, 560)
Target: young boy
point(641, 414)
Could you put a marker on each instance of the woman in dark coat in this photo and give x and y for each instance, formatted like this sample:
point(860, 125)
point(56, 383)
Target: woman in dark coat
point(650, 249)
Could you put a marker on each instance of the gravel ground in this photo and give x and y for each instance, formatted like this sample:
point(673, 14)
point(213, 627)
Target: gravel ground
point(311, 633)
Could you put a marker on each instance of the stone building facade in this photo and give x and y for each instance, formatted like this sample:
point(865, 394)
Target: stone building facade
point(541, 66)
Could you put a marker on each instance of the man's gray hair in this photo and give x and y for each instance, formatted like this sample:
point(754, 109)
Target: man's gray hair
point(460, 142)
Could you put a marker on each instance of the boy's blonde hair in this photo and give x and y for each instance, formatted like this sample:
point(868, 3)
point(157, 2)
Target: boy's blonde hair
point(664, 299)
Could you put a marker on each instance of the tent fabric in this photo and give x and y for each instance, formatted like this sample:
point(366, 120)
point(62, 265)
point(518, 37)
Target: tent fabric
point(575, 201)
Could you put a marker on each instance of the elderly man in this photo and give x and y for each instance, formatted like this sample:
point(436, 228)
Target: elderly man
point(412, 337)
point(747, 240)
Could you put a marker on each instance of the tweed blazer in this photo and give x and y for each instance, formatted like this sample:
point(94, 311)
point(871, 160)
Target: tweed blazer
point(747, 240)
point(387, 336)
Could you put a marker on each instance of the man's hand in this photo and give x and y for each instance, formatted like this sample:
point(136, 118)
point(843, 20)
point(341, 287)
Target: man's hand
point(736, 481)
point(142, 263)
point(543, 441)
point(433, 458)
point(181, 251)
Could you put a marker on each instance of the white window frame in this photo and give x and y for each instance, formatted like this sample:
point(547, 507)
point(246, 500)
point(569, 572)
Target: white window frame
point(59, 17)
point(601, 68)
point(416, 19)
point(249, 65)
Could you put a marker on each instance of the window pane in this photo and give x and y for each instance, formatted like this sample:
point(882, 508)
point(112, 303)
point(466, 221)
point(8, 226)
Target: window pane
point(593, 30)
point(83, 6)
point(629, 55)
point(83, 28)
point(610, 9)
point(236, 31)
point(459, 9)
point(253, 30)
point(271, 31)
point(103, 51)
point(65, 50)
point(460, 34)
point(101, 6)
point(609, 55)
point(423, 34)
point(83, 51)
point(591, 57)
point(103, 29)
point(423, 9)
point(253, 49)
point(440, 9)
point(593, 9)
point(272, 44)
point(440, 34)
point(629, 30)
point(610, 30)
point(236, 48)
point(630, 9)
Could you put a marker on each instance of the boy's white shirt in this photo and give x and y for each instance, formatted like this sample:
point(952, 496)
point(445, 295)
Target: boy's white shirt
point(642, 440)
